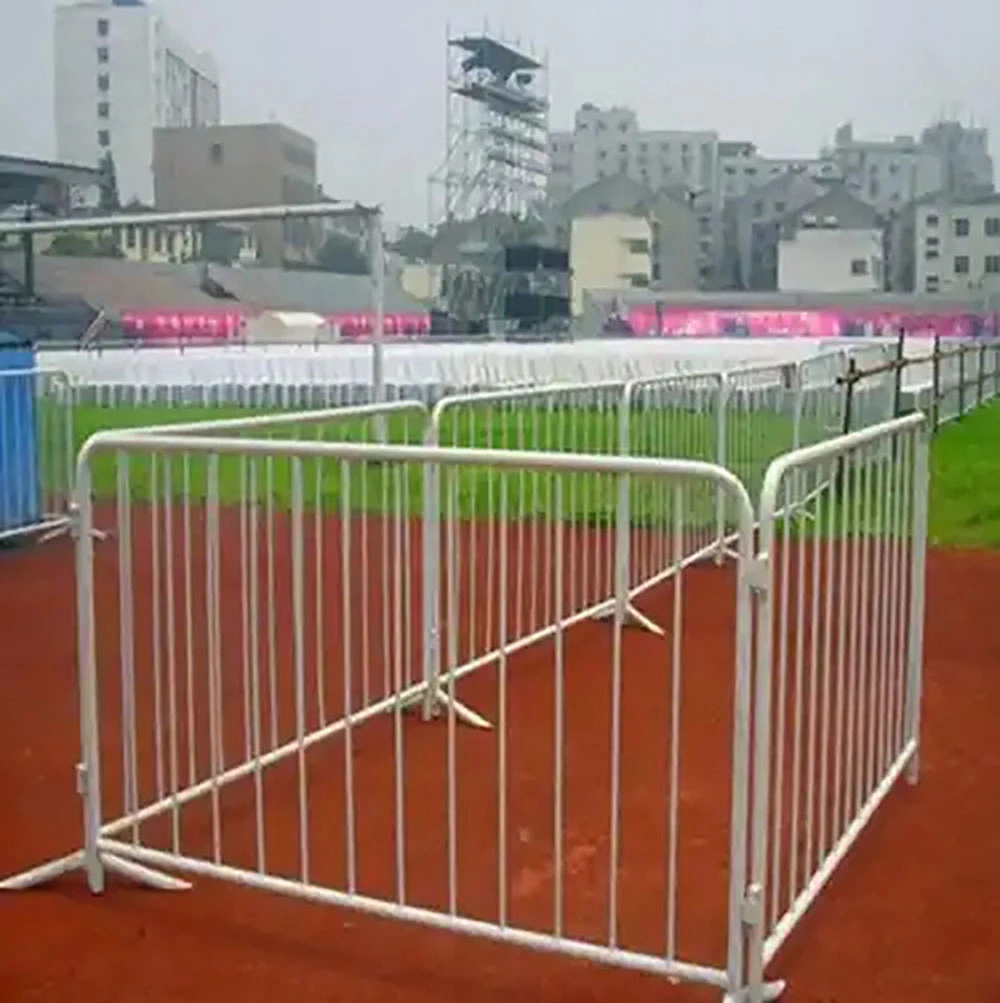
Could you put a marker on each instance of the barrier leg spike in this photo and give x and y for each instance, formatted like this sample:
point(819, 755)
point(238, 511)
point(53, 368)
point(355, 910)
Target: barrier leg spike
point(633, 618)
point(440, 702)
point(143, 875)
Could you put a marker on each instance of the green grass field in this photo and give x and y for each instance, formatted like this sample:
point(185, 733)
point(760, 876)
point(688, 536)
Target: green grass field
point(965, 485)
point(965, 481)
point(654, 432)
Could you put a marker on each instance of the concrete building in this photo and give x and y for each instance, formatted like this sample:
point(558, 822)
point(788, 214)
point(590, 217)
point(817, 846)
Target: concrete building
point(120, 73)
point(232, 166)
point(889, 174)
point(743, 168)
point(673, 224)
point(612, 252)
point(957, 244)
point(606, 142)
point(833, 244)
point(752, 228)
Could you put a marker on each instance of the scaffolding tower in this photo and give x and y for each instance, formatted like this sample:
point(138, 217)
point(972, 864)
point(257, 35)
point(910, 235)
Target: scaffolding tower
point(490, 188)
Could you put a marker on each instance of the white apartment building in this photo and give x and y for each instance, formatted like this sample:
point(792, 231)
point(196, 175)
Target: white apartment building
point(609, 252)
point(120, 72)
point(608, 141)
point(887, 173)
point(957, 245)
point(742, 168)
point(826, 259)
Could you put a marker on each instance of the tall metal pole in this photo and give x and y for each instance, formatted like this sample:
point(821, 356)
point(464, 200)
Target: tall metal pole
point(377, 250)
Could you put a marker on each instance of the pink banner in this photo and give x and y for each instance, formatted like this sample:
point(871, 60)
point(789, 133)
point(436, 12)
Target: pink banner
point(227, 324)
point(706, 323)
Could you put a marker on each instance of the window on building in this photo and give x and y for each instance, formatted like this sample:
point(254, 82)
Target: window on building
point(932, 255)
point(103, 82)
point(638, 281)
point(992, 226)
point(103, 27)
point(859, 266)
point(932, 219)
point(758, 208)
point(962, 264)
point(602, 154)
point(623, 148)
point(933, 241)
point(779, 206)
point(103, 109)
point(104, 137)
point(102, 54)
point(962, 227)
point(931, 284)
point(216, 153)
point(993, 264)
point(637, 246)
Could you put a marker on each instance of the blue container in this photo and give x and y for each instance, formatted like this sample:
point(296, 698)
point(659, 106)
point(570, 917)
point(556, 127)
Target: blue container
point(20, 491)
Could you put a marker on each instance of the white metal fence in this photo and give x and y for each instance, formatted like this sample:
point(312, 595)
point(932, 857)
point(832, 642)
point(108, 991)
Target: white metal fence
point(276, 605)
point(37, 452)
point(199, 757)
point(843, 532)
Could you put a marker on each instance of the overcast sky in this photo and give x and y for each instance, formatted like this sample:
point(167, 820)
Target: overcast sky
point(366, 79)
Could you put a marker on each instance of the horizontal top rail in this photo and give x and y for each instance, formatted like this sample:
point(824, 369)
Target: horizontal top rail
point(829, 449)
point(129, 440)
point(891, 365)
point(316, 417)
point(535, 390)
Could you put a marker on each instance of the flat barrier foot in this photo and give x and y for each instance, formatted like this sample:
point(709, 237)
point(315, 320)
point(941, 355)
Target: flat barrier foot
point(633, 618)
point(440, 703)
point(111, 862)
point(44, 874)
point(771, 991)
point(142, 875)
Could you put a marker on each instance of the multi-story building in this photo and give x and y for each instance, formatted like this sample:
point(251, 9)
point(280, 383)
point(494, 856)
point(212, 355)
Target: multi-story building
point(608, 141)
point(752, 228)
point(964, 152)
point(833, 244)
point(886, 173)
point(742, 168)
point(672, 225)
point(957, 244)
point(232, 166)
point(610, 252)
point(120, 73)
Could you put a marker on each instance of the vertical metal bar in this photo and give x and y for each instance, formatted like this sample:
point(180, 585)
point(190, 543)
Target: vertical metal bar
point(399, 753)
point(915, 627)
point(559, 711)
point(212, 612)
point(502, 893)
point(89, 770)
point(126, 621)
point(348, 655)
point(675, 727)
point(172, 750)
point(299, 657)
point(621, 599)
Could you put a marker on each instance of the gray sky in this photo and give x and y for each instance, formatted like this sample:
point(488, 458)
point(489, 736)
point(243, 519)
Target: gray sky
point(369, 85)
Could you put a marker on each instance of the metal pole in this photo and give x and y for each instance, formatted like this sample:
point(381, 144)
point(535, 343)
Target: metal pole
point(245, 215)
point(28, 245)
point(377, 250)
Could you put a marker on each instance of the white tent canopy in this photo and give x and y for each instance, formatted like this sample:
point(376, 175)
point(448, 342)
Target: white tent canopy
point(276, 326)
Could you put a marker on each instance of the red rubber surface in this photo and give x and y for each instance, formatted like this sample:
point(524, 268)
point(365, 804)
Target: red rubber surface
point(910, 916)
